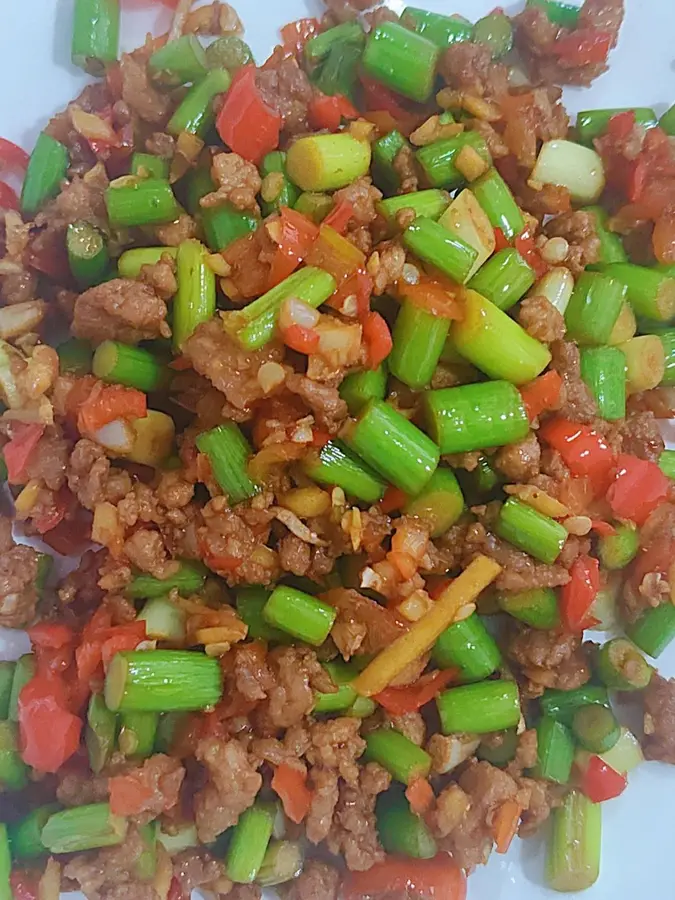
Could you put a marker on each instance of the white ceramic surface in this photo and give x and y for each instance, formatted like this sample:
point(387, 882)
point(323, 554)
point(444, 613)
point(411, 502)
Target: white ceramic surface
point(37, 79)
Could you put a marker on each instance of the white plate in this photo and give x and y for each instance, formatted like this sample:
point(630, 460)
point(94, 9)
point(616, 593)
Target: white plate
point(37, 79)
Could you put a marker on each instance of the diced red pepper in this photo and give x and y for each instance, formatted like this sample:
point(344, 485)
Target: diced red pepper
point(377, 336)
point(245, 123)
point(290, 785)
point(401, 700)
point(439, 878)
point(12, 157)
point(541, 394)
point(604, 529)
point(296, 34)
point(601, 782)
point(175, 891)
point(340, 216)
point(360, 286)
point(301, 339)
point(108, 402)
point(638, 488)
point(420, 795)
point(577, 596)
point(379, 97)
point(328, 111)
point(50, 635)
point(435, 296)
point(583, 450)
point(394, 499)
point(500, 240)
point(24, 885)
point(524, 244)
point(621, 125)
point(8, 197)
point(505, 824)
point(54, 515)
point(583, 47)
point(50, 733)
point(319, 438)
point(17, 453)
point(297, 237)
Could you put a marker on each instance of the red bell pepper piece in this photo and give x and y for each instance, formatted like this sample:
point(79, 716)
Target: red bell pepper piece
point(501, 242)
point(401, 700)
point(439, 878)
point(245, 123)
point(394, 499)
point(524, 244)
point(541, 394)
point(24, 885)
point(638, 488)
point(8, 197)
point(377, 336)
point(12, 157)
point(50, 635)
point(621, 125)
point(577, 596)
point(290, 785)
point(378, 97)
point(420, 795)
point(358, 285)
point(604, 529)
point(53, 516)
point(583, 47)
point(328, 111)
point(296, 34)
point(18, 451)
point(298, 234)
point(301, 339)
point(583, 450)
point(340, 216)
point(175, 891)
point(601, 782)
point(50, 733)
point(108, 402)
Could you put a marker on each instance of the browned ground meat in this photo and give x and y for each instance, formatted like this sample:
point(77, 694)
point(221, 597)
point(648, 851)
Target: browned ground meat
point(548, 659)
point(639, 434)
point(294, 555)
point(120, 310)
point(146, 551)
point(346, 10)
point(519, 462)
point(48, 461)
point(577, 402)
point(354, 831)
point(542, 797)
point(297, 674)
point(578, 228)
point(80, 789)
point(229, 368)
point(533, 116)
point(659, 719)
point(238, 182)
point(336, 744)
point(386, 265)
point(18, 288)
point(325, 794)
point(324, 401)
point(236, 535)
point(469, 67)
point(520, 572)
point(541, 319)
point(286, 89)
point(109, 874)
point(18, 596)
point(137, 91)
point(215, 19)
point(381, 626)
point(161, 778)
point(81, 200)
point(196, 867)
point(91, 477)
point(161, 277)
point(404, 166)
point(232, 787)
point(318, 881)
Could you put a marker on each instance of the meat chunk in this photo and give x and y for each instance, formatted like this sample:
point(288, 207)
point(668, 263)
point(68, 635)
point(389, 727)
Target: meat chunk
point(468, 67)
point(336, 744)
point(109, 874)
point(386, 265)
point(138, 92)
point(577, 402)
point(232, 787)
point(325, 402)
point(354, 831)
point(145, 549)
point(197, 868)
point(318, 881)
point(238, 182)
point(325, 795)
point(404, 166)
point(121, 310)
point(18, 594)
point(77, 789)
point(541, 319)
point(542, 798)
point(659, 719)
point(520, 462)
point(452, 805)
point(234, 535)
point(347, 10)
point(229, 368)
point(286, 89)
point(158, 782)
point(297, 674)
point(531, 117)
point(579, 230)
point(161, 277)
point(549, 659)
point(639, 434)
point(294, 555)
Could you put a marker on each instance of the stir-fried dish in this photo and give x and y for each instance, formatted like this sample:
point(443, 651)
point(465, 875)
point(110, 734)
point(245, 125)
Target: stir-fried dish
point(333, 385)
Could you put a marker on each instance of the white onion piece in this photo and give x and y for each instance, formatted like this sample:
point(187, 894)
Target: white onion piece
point(557, 286)
point(466, 219)
point(297, 312)
point(570, 165)
point(116, 437)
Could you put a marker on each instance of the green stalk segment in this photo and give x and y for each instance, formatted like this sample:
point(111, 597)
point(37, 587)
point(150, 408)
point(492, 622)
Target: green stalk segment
point(436, 246)
point(228, 52)
point(251, 603)
point(530, 531)
point(101, 733)
point(195, 301)
point(537, 607)
point(594, 307)
point(397, 754)
point(164, 620)
point(496, 32)
point(222, 224)
point(6, 892)
point(668, 341)
point(87, 254)
point(437, 159)
point(496, 344)
point(667, 121)
point(394, 447)
point(181, 837)
point(46, 170)
point(255, 324)
point(25, 836)
point(75, 357)
point(145, 866)
point(440, 30)
point(604, 371)
point(326, 162)
point(440, 503)
point(499, 748)
point(168, 728)
point(573, 858)
point(196, 113)
point(119, 363)
point(283, 862)
point(313, 205)
point(402, 60)
point(23, 672)
point(651, 293)
point(287, 194)
point(419, 337)
point(182, 61)
point(385, 151)
point(592, 123)
point(504, 279)
point(250, 839)
point(611, 247)
point(561, 705)
point(96, 30)
point(400, 830)
point(667, 463)
point(162, 681)
point(189, 579)
point(137, 733)
point(318, 47)
point(564, 14)
point(474, 416)
point(595, 728)
point(13, 770)
point(480, 484)
point(147, 165)
point(83, 828)
point(229, 452)
point(342, 675)
point(140, 201)
point(131, 262)
point(359, 388)
point(300, 614)
point(498, 203)
point(617, 550)
point(479, 708)
point(429, 204)
point(468, 646)
point(6, 679)
point(555, 750)
point(654, 630)
point(335, 464)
